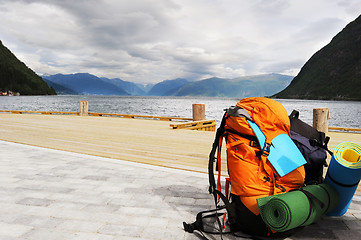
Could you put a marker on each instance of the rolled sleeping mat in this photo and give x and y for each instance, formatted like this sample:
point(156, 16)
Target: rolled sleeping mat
point(344, 174)
point(297, 208)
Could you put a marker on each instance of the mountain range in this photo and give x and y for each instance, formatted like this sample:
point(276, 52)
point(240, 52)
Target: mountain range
point(249, 86)
point(334, 72)
point(85, 83)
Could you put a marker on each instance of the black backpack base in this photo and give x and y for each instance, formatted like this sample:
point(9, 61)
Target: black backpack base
point(249, 223)
point(246, 224)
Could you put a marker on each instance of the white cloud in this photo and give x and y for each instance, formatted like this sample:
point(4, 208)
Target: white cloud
point(149, 41)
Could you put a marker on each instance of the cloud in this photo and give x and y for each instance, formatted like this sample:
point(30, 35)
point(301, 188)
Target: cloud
point(149, 41)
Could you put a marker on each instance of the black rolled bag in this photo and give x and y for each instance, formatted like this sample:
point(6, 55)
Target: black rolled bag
point(313, 146)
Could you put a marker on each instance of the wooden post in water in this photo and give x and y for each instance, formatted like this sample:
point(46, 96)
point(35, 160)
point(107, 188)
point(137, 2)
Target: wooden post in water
point(83, 108)
point(199, 112)
point(320, 119)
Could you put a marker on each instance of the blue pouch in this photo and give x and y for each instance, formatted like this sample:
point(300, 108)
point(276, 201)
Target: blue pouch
point(283, 152)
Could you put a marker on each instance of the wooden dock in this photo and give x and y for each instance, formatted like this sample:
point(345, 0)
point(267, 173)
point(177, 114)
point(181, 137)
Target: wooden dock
point(137, 140)
point(99, 115)
point(203, 125)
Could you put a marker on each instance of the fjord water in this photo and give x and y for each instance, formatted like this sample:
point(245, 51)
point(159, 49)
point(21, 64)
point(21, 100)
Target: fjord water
point(342, 113)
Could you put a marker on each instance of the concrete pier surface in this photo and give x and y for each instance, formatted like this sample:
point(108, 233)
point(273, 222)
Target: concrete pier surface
point(71, 177)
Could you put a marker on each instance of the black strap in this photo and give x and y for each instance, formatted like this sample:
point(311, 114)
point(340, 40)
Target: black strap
point(325, 146)
point(328, 197)
point(246, 136)
point(227, 205)
point(191, 227)
point(313, 197)
point(198, 224)
point(212, 158)
point(310, 197)
point(341, 184)
point(295, 114)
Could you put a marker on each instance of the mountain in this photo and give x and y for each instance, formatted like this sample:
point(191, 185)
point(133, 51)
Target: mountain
point(250, 86)
point(145, 87)
point(17, 77)
point(334, 72)
point(60, 89)
point(85, 83)
point(167, 87)
point(129, 87)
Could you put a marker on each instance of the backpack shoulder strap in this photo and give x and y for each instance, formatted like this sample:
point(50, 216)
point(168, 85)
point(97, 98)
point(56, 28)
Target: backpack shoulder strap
point(235, 111)
point(212, 158)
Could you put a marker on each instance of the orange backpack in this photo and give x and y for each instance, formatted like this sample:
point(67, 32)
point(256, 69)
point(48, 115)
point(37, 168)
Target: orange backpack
point(251, 174)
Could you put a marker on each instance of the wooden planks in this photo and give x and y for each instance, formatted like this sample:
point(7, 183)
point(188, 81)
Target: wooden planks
point(99, 114)
point(345, 129)
point(140, 116)
point(203, 125)
point(137, 140)
point(39, 112)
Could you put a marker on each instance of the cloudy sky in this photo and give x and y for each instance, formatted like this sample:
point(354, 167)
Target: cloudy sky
point(153, 40)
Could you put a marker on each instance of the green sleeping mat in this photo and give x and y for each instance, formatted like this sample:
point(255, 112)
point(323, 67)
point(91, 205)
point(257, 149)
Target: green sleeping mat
point(297, 208)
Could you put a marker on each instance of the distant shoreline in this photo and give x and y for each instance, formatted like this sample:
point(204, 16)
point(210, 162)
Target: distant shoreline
point(200, 97)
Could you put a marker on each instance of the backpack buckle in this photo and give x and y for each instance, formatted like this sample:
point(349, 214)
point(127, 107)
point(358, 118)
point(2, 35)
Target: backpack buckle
point(253, 144)
point(266, 149)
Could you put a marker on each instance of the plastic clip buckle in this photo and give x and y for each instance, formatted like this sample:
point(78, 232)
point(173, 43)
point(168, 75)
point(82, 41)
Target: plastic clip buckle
point(266, 149)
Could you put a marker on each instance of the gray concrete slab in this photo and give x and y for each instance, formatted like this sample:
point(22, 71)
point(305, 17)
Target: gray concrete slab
point(51, 194)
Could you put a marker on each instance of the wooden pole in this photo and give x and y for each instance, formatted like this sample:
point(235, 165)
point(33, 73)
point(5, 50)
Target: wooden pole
point(83, 108)
point(320, 119)
point(199, 112)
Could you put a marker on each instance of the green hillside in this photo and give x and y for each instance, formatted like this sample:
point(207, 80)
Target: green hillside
point(17, 77)
point(332, 73)
point(250, 86)
point(167, 87)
